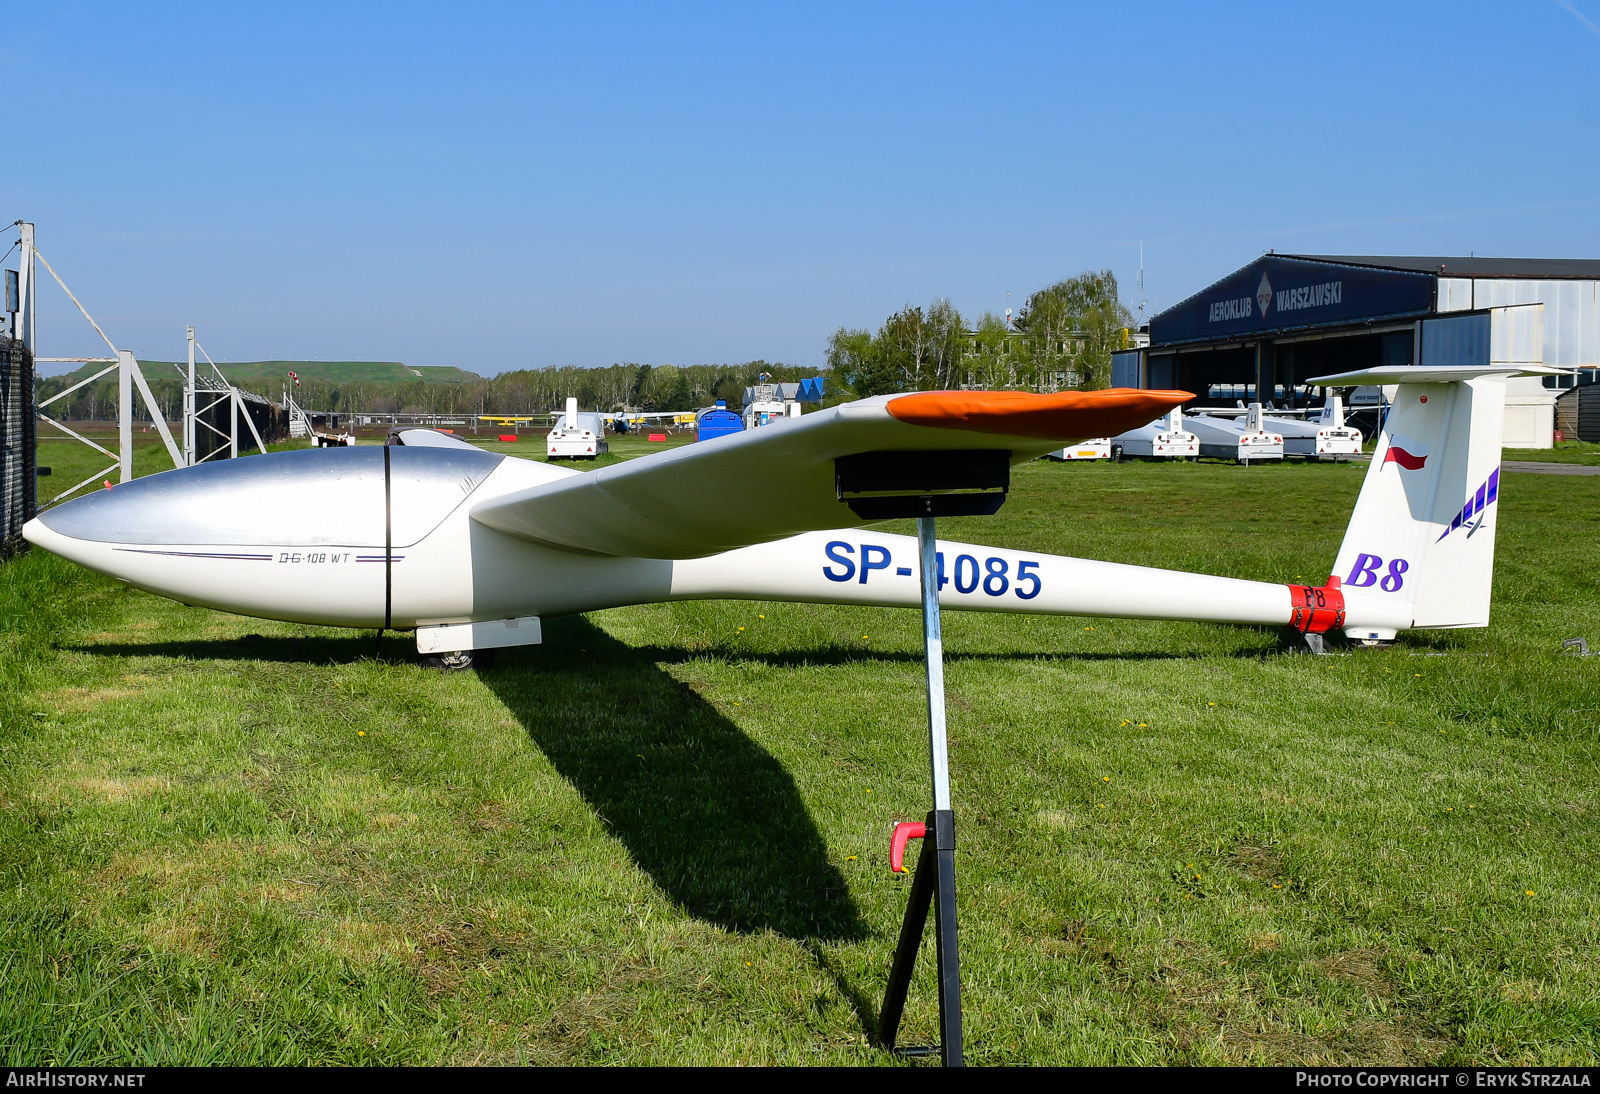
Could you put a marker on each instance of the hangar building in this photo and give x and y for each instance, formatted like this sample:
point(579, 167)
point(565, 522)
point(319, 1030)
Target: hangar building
point(1259, 332)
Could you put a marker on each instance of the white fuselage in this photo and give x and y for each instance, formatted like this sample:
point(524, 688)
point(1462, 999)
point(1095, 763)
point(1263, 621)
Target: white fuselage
point(287, 538)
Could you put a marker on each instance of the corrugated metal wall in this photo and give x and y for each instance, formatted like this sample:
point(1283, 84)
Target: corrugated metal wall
point(1516, 334)
point(1571, 311)
point(1125, 368)
point(1578, 413)
point(1457, 340)
point(18, 490)
point(1455, 294)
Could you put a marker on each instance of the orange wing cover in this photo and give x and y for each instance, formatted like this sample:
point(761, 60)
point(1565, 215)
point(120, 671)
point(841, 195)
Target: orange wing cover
point(1062, 416)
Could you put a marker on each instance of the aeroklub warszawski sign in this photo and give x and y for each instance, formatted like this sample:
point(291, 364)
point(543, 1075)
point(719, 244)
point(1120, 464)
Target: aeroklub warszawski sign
point(1277, 294)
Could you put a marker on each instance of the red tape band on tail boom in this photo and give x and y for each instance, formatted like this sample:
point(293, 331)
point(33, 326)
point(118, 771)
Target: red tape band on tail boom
point(1317, 610)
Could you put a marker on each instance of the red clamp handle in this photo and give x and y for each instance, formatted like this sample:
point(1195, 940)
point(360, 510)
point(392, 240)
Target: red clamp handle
point(904, 831)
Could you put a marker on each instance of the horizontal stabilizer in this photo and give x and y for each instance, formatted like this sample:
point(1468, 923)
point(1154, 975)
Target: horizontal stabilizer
point(1429, 374)
point(778, 480)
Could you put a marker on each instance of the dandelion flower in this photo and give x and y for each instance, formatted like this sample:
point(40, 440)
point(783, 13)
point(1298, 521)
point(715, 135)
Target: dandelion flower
point(1144, 725)
point(760, 617)
point(849, 858)
point(361, 733)
point(1105, 778)
point(1211, 704)
point(1530, 892)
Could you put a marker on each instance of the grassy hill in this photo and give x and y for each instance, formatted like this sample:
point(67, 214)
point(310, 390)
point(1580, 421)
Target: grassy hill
point(254, 373)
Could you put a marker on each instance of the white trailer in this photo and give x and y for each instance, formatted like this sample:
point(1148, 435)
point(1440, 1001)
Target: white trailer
point(1322, 438)
point(1242, 439)
point(1098, 448)
point(1163, 439)
point(576, 436)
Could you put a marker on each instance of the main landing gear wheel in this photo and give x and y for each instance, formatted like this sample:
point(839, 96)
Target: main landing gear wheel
point(459, 660)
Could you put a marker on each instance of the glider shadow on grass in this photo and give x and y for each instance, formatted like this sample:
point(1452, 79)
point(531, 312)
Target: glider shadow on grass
point(708, 813)
point(287, 649)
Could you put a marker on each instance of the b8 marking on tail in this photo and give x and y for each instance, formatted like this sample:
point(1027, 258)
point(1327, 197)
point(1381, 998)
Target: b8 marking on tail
point(1365, 573)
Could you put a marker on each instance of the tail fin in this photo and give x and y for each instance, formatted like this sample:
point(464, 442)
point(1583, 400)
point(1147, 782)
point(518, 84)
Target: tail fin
point(1419, 551)
point(1332, 413)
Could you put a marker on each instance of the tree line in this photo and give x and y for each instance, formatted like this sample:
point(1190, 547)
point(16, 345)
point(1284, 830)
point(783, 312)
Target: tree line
point(525, 391)
point(1062, 337)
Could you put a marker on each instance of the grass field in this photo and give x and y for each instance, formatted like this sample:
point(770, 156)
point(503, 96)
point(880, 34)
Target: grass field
point(1565, 452)
point(662, 836)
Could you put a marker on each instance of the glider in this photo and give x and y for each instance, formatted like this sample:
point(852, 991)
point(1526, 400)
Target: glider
point(470, 547)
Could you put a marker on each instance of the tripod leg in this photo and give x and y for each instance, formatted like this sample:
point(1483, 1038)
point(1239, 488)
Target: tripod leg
point(944, 926)
point(905, 954)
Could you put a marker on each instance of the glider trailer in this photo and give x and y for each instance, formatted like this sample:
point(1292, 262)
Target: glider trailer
point(471, 548)
point(1163, 439)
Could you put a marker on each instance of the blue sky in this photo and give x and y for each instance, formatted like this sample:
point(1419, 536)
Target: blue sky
point(508, 186)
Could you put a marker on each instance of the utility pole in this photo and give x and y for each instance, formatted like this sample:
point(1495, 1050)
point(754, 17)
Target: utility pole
point(189, 409)
point(125, 367)
point(27, 290)
point(1142, 300)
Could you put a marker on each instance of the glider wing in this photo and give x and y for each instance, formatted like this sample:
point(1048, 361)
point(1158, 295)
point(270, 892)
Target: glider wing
point(777, 481)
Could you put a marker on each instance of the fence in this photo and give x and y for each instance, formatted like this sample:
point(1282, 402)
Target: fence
point(18, 487)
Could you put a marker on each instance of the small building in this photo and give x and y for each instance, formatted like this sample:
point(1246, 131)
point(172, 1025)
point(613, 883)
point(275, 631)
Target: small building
point(1259, 333)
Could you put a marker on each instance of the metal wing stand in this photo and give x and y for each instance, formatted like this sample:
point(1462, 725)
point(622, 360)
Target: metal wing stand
point(936, 868)
point(971, 484)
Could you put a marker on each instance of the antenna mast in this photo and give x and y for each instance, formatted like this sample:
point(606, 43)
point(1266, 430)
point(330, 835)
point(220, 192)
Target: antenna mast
point(1142, 300)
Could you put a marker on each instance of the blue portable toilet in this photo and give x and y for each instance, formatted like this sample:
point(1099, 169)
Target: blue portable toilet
point(717, 421)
